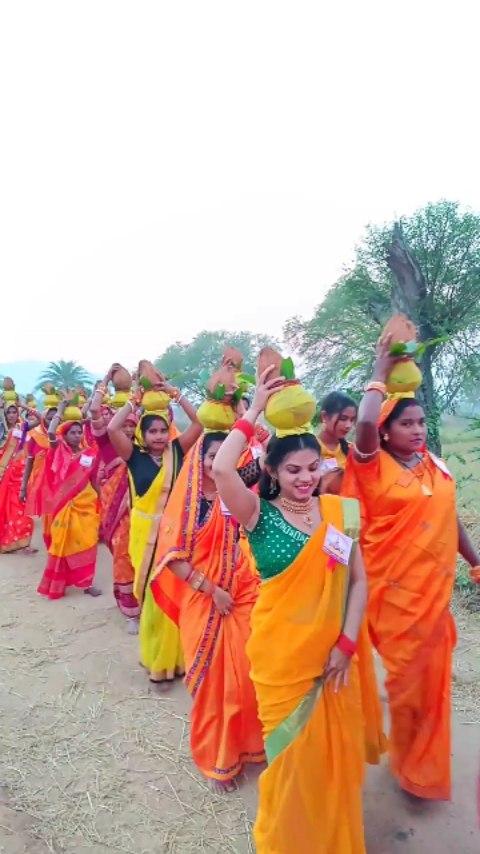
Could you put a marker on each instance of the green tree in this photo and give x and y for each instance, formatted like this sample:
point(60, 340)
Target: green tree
point(427, 266)
point(190, 365)
point(65, 375)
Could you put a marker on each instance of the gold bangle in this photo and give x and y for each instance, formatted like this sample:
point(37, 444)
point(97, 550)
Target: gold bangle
point(376, 386)
point(197, 580)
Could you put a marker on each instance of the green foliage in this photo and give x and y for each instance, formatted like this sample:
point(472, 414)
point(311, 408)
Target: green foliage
point(339, 339)
point(191, 365)
point(65, 375)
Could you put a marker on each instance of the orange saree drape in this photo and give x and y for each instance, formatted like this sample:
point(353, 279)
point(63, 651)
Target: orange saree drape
point(317, 741)
point(37, 485)
point(16, 526)
point(225, 731)
point(409, 542)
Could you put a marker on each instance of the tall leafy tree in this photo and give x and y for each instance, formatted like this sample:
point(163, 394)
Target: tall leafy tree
point(428, 266)
point(189, 365)
point(65, 375)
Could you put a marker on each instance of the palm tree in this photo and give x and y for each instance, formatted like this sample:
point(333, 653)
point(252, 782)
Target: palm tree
point(65, 375)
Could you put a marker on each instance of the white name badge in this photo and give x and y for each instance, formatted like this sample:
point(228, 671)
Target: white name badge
point(338, 545)
point(440, 464)
point(86, 461)
point(256, 452)
point(224, 509)
point(328, 465)
point(17, 433)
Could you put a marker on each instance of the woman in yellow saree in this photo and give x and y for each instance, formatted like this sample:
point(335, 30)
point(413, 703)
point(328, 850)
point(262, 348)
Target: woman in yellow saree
point(310, 656)
point(73, 506)
point(154, 459)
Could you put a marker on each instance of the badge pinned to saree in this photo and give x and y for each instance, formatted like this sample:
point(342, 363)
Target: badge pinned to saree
point(327, 465)
point(86, 461)
point(17, 433)
point(337, 545)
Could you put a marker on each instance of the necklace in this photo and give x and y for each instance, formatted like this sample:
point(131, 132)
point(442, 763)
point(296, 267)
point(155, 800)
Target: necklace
point(299, 508)
point(411, 463)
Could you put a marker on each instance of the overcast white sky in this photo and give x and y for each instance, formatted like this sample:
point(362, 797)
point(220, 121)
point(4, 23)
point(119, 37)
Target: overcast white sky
point(173, 166)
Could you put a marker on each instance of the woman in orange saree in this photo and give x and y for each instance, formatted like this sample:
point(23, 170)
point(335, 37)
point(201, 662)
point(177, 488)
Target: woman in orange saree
point(310, 657)
point(198, 541)
point(70, 471)
point(33, 489)
point(16, 527)
point(410, 538)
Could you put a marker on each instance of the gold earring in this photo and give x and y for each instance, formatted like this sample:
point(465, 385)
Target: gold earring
point(386, 437)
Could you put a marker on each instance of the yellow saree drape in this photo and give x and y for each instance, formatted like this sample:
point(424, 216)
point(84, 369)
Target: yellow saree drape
point(160, 648)
point(316, 740)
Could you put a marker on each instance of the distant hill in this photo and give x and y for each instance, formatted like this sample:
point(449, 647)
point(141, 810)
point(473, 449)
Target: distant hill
point(24, 374)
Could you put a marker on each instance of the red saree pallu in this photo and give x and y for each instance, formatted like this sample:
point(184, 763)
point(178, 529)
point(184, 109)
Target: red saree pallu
point(115, 504)
point(225, 730)
point(37, 450)
point(74, 508)
point(16, 526)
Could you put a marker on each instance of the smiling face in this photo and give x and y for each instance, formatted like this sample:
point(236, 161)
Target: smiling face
point(298, 474)
point(156, 436)
point(73, 436)
point(407, 433)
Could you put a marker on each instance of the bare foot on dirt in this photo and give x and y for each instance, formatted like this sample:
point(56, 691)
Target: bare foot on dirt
point(93, 591)
point(132, 625)
point(28, 550)
point(161, 687)
point(223, 788)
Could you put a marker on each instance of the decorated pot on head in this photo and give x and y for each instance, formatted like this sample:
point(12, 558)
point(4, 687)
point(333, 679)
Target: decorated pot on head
point(51, 397)
point(9, 394)
point(30, 402)
point(405, 377)
point(122, 383)
point(72, 411)
point(154, 399)
point(82, 395)
point(217, 412)
point(290, 409)
point(223, 393)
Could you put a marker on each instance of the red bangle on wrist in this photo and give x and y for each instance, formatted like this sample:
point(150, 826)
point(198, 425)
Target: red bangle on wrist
point(345, 645)
point(245, 427)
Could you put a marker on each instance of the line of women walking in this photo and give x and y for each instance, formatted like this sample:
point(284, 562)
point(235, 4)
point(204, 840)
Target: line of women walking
point(266, 578)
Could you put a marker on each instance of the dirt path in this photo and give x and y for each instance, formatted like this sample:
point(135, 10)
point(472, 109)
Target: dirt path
point(91, 761)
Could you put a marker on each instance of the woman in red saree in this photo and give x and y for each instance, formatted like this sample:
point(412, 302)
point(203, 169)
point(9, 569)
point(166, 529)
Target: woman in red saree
point(33, 489)
point(410, 539)
point(70, 471)
point(198, 541)
point(115, 508)
point(16, 527)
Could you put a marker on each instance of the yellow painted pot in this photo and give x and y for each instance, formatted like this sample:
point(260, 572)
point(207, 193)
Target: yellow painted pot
point(404, 376)
point(214, 415)
point(290, 408)
point(72, 413)
point(119, 399)
point(155, 401)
